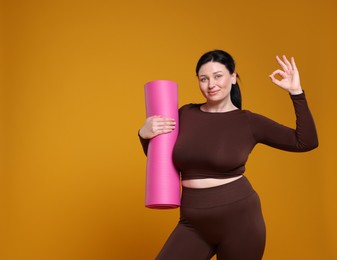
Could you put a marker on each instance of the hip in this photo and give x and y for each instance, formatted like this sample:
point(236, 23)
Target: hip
point(217, 195)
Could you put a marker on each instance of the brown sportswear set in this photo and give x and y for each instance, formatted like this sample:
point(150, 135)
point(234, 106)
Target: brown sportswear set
point(226, 220)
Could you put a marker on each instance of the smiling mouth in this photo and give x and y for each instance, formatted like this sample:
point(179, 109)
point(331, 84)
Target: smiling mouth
point(213, 93)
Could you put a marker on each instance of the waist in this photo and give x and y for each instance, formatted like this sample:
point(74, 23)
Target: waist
point(207, 182)
point(215, 196)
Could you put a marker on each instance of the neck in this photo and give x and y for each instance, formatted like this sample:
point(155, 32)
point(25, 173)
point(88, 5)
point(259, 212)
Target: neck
point(217, 108)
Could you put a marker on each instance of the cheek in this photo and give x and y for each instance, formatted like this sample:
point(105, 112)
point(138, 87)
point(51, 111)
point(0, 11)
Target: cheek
point(227, 83)
point(202, 87)
point(227, 86)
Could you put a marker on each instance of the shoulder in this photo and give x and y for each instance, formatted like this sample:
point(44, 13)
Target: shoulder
point(190, 105)
point(252, 115)
point(255, 119)
point(247, 113)
point(187, 107)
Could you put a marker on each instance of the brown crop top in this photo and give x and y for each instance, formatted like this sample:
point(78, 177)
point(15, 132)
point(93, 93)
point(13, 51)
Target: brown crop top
point(217, 145)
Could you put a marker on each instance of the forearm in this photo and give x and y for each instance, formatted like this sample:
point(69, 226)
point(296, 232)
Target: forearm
point(144, 142)
point(306, 133)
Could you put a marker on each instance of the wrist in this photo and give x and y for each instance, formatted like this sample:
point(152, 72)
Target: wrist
point(140, 134)
point(296, 91)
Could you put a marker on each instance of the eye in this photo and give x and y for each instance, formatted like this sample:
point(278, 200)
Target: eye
point(218, 76)
point(203, 79)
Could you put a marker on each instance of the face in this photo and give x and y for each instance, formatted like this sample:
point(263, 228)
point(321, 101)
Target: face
point(215, 82)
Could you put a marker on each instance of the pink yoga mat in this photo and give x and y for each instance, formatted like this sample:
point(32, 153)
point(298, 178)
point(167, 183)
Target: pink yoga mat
point(162, 178)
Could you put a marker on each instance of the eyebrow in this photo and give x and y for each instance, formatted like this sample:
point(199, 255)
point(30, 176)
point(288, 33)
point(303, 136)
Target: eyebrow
point(202, 75)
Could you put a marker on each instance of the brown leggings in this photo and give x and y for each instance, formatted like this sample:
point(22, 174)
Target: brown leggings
point(225, 220)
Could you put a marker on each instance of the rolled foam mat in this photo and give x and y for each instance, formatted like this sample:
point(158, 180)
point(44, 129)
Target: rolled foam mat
point(162, 177)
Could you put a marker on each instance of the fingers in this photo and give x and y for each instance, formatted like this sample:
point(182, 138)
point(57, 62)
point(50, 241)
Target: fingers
point(285, 64)
point(293, 63)
point(274, 80)
point(281, 63)
point(156, 125)
point(162, 121)
point(275, 73)
point(162, 125)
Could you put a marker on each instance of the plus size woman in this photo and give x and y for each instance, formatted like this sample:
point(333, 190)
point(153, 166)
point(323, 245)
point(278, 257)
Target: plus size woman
point(220, 212)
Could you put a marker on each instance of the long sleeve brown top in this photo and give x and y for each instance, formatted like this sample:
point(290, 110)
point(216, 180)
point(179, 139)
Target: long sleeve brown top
point(217, 145)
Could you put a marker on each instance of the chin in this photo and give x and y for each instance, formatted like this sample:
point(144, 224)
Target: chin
point(215, 99)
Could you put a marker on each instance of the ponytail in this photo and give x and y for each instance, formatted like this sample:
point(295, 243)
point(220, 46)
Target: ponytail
point(236, 96)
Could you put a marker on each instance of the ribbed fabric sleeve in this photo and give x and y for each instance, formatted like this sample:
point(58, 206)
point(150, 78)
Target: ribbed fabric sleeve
point(302, 139)
point(144, 143)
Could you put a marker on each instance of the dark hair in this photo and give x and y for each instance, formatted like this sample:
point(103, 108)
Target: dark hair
point(227, 60)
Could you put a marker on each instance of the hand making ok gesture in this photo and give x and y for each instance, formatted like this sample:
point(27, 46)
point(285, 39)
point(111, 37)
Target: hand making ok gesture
point(290, 78)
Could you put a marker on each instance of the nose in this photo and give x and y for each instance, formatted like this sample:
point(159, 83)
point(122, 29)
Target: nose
point(211, 83)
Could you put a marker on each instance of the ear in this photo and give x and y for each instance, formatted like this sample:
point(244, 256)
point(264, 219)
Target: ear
point(233, 76)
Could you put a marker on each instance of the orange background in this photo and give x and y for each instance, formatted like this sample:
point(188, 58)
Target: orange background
point(71, 102)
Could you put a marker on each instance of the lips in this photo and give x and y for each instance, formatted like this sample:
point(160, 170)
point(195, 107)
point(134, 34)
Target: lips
point(212, 93)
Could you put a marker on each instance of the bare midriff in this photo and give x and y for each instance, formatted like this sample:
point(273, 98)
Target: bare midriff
point(208, 182)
